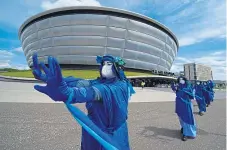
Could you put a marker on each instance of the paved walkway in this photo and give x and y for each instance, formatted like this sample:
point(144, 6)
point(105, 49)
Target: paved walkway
point(24, 92)
point(151, 95)
point(32, 124)
point(152, 126)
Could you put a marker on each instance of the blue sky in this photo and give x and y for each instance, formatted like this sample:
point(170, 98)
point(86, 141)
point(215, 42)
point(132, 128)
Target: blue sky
point(200, 26)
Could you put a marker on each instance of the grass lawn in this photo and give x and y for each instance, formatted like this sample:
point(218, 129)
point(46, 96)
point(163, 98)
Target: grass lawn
point(87, 74)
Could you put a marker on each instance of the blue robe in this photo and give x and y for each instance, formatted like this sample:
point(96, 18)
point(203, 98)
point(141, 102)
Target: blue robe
point(206, 94)
point(210, 93)
point(211, 90)
point(110, 114)
point(184, 109)
point(106, 101)
point(200, 99)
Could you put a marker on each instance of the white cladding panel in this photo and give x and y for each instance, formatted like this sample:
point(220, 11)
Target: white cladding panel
point(117, 22)
point(116, 32)
point(146, 29)
point(79, 38)
point(113, 51)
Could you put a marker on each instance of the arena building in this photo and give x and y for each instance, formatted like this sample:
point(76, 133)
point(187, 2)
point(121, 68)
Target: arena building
point(76, 35)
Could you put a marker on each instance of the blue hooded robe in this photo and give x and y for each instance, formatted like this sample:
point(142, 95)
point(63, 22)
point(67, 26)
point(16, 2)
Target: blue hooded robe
point(111, 112)
point(206, 94)
point(106, 102)
point(184, 108)
point(211, 90)
point(200, 99)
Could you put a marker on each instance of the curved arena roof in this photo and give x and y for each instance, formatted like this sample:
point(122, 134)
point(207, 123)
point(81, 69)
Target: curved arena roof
point(76, 35)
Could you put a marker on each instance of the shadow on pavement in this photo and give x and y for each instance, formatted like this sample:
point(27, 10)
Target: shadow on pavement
point(167, 135)
point(163, 134)
point(203, 132)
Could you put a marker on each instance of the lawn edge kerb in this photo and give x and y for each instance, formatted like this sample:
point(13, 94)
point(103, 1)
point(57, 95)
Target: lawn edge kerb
point(23, 78)
point(86, 74)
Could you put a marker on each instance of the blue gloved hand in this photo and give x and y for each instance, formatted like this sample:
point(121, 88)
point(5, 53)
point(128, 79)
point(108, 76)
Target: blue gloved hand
point(56, 87)
point(36, 69)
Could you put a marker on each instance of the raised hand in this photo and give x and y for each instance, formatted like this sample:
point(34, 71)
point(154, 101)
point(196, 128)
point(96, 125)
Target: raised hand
point(36, 69)
point(39, 75)
point(56, 87)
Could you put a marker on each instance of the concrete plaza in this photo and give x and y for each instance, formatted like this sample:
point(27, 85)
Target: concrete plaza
point(30, 120)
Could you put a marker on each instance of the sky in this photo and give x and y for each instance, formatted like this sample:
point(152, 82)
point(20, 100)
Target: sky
point(199, 25)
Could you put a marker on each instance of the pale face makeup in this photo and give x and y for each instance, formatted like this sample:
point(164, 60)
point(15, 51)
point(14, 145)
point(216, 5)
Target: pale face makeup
point(107, 71)
point(182, 81)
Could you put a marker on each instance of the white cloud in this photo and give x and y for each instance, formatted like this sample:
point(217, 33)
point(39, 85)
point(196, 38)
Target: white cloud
point(4, 54)
point(199, 21)
point(184, 41)
point(19, 66)
point(4, 63)
point(196, 37)
point(216, 60)
point(5, 57)
point(19, 49)
point(177, 67)
point(65, 3)
point(218, 53)
point(9, 64)
point(183, 59)
point(9, 60)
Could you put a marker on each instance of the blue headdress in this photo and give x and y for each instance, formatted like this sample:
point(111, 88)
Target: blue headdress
point(118, 65)
point(118, 68)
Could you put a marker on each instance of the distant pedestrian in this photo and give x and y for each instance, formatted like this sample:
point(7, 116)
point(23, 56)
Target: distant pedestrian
point(142, 84)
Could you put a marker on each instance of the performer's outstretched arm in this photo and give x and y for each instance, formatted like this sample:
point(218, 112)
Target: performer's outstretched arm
point(58, 89)
point(189, 92)
point(85, 94)
point(70, 81)
point(77, 82)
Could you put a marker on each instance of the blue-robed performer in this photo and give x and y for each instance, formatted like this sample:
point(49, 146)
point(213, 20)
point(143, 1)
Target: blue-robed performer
point(184, 108)
point(211, 90)
point(106, 98)
point(206, 94)
point(200, 98)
